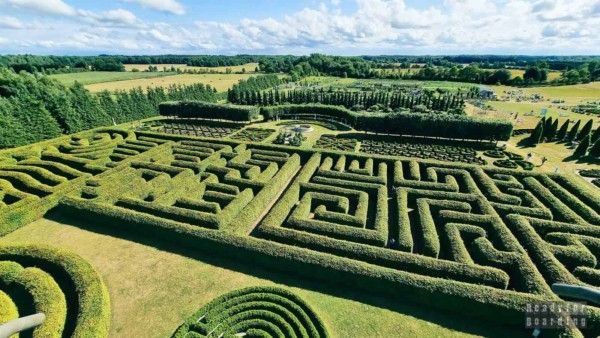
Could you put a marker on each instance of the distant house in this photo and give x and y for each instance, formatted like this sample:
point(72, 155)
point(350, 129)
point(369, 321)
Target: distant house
point(487, 93)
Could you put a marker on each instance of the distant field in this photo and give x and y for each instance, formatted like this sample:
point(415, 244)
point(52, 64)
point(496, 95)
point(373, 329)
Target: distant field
point(249, 67)
point(219, 81)
point(573, 94)
point(552, 75)
point(87, 78)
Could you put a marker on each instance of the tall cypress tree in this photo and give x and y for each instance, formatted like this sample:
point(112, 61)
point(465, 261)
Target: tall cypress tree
point(595, 149)
point(563, 131)
point(552, 131)
point(587, 128)
point(583, 146)
point(537, 133)
point(573, 132)
point(596, 135)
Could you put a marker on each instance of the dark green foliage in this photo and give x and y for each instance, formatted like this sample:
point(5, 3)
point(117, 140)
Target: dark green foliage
point(595, 149)
point(582, 147)
point(436, 125)
point(552, 131)
point(586, 130)
point(573, 132)
point(562, 133)
point(35, 108)
point(207, 110)
point(373, 100)
point(536, 135)
point(596, 135)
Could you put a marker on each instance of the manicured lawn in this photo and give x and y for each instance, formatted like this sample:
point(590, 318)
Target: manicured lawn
point(87, 78)
point(219, 81)
point(153, 290)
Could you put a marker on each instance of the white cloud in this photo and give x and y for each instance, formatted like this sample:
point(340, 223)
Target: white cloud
point(56, 7)
point(376, 26)
point(117, 17)
point(10, 22)
point(169, 6)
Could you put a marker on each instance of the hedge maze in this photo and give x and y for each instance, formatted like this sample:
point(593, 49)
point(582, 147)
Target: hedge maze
point(253, 134)
point(255, 312)
point(196, 129)
point(453, 236)
point(61, 285)
point(447, 150)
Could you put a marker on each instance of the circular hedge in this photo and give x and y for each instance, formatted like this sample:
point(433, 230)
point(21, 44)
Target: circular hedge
point(526, 165)
point(506, 164)
point(254, 312)
point(494, 153)
point(513, 156)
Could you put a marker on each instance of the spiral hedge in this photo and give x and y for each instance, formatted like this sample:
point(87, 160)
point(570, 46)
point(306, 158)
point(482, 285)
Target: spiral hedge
point(255, 312)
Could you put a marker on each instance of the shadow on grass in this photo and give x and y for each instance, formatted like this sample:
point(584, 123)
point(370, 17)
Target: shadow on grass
point(460, 321)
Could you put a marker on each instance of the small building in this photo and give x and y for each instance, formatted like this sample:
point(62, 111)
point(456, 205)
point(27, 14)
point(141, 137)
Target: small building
point(487, 93)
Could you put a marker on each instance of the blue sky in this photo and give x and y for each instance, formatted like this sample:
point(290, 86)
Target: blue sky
point(348, 27)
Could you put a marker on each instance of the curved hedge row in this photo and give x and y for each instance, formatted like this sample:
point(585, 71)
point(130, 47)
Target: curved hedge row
point(434, 125)
point(68, 290)
point(255, 312)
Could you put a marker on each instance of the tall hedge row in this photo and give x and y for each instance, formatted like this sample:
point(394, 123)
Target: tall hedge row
point(200, 109)
point(433, 125)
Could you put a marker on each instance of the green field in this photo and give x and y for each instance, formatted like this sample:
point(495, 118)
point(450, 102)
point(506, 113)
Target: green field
point(86, 78)
point(246, 68)
point(336, 82)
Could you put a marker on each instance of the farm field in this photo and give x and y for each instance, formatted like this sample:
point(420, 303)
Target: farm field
point(221, 82)
point(87, 78)
point(337, 82)
point(380, 235)
point(247, 68)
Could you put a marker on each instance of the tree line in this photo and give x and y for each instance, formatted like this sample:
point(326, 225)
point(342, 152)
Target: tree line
point(548, 130)
point(35, 108)
point(355, 100)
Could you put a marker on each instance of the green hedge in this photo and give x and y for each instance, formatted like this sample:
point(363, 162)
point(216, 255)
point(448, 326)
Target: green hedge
point(433, 125)
point(276, 311)
point(207, 110)
point(87, 299)
point(46, 295)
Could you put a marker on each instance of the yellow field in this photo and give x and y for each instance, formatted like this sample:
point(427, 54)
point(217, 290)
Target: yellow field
point(552, 75)
point(221, 82)
point(249, 67)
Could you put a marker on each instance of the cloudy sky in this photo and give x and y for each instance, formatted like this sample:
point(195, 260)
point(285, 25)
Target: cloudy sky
point(348, 27)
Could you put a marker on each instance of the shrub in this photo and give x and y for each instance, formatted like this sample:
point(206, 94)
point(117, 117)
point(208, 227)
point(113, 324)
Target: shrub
point(437, 125)
point(207, 110)
point(582, 147)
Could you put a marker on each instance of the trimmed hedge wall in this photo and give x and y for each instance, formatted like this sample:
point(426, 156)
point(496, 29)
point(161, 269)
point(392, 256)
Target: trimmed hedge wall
point(433, 125)
point(87, 299)
point(207, 110)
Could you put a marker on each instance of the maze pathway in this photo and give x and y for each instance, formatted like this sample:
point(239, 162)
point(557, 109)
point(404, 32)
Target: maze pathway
point(484, 240)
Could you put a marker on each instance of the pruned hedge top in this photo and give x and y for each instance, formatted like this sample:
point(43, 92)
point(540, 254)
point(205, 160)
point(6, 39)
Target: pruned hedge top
point(207, 110)
point(434, 125)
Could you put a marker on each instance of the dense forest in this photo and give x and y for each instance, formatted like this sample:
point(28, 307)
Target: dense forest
point(35, 108)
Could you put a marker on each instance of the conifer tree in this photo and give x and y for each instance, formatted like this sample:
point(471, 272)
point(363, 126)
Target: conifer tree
point(583, 146)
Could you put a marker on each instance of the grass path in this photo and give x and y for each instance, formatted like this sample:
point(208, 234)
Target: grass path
point(87, 78)
point(221, 82)
point(153, 290)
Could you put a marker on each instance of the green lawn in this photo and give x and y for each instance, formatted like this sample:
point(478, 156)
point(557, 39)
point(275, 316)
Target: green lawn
point(337, 82)
point(86, 78)
point(153, 290)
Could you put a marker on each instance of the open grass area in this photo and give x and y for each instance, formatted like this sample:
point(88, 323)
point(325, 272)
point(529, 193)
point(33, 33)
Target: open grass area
point(87, 78)
point(338, 82)
point(153, 291)
point(221, 82)
point(247, 68)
